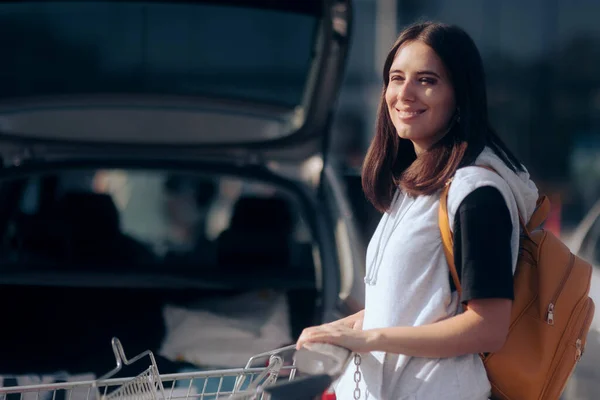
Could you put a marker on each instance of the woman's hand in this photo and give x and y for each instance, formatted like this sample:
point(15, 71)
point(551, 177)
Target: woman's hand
point(338, 334)
point(353, 322)
point(357, 324)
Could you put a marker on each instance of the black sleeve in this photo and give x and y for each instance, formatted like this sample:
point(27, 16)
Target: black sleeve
point(482, 246)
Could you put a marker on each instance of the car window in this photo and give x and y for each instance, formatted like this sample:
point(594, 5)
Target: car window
point(590, 247)
point(177, 48)
point(153, 257)
point(154, 217)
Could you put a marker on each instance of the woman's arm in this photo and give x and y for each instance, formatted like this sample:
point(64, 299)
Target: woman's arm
point(482, 328)
point(483, 231)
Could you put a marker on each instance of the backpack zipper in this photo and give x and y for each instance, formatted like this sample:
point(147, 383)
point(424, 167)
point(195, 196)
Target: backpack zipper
point(550, 312)
point(579, 343)
point(566, 341)
point(578, 351)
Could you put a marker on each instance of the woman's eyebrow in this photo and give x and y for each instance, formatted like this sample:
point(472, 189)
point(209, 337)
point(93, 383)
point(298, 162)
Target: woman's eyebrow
point(427, 72)
point(422, 72)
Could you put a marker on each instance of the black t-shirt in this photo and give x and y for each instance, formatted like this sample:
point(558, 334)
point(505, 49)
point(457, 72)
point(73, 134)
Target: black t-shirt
point(482, 246)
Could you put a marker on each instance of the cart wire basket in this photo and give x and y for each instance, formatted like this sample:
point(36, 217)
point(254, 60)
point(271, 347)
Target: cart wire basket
point(275, 375)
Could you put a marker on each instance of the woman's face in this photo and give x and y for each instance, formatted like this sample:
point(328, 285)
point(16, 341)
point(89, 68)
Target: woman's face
point(419, 95)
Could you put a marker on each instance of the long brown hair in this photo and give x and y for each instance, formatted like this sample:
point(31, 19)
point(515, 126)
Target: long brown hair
point(392, 161)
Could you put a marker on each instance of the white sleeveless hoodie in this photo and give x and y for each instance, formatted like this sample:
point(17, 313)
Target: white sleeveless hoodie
point(407, 284)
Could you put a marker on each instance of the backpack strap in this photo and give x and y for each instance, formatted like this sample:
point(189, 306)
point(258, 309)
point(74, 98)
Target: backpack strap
point(536, 220)
point(542, 209)
point(447, 238)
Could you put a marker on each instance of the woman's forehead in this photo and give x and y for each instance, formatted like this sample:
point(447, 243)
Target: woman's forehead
point(417, 56)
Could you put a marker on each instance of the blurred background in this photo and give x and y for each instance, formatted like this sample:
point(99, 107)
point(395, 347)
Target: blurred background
point(542, 60)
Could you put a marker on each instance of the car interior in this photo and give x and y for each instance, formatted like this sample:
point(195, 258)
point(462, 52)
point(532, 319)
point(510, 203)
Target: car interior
point(76, 271)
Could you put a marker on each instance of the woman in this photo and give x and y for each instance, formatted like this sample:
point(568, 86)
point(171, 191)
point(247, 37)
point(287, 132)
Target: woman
point(415, 340)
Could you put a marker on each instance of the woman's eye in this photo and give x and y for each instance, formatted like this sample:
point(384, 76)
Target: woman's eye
point(428, 81)
point(396, 78)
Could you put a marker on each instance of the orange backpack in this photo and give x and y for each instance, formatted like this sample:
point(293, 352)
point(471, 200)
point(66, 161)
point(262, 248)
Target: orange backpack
point(551, 312)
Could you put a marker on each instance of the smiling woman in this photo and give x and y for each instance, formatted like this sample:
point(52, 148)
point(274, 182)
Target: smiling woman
point(458, 92)
point(419, 97)
point(433, 129)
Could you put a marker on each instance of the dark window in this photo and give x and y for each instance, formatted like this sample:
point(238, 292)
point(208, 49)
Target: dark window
point(140, 254)
point(58, 48)
point(112, 218)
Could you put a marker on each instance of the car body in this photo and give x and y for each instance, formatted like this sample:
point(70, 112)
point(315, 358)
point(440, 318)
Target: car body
point(238, 89)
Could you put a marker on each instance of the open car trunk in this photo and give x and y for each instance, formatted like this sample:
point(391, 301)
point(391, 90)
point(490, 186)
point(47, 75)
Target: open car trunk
point(101, 247)
point(252, 78)
point(91, 253)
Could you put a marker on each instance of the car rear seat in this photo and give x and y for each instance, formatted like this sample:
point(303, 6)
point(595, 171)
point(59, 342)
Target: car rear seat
point(71, 327)
point(95, 232)
point(259, 235)
point(260, 238)
point(81, 227)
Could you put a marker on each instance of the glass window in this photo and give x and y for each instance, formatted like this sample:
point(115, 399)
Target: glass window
point(153, 257)
point(113, 217)
point(56, 48)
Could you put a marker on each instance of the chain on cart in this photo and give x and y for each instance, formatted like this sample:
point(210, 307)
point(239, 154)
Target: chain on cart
point(288, 374)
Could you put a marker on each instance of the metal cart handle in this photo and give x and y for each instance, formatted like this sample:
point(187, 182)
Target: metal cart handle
point(122, 359)
point(320, 363)
point(322, 358)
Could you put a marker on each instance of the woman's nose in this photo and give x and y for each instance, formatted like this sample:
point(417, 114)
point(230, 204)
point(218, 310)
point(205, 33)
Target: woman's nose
point(406, 91)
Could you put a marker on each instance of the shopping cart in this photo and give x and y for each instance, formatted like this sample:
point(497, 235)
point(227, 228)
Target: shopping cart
point(281, 374)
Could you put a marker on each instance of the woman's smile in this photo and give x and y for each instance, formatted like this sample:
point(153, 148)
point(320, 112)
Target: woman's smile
point(409, 115)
